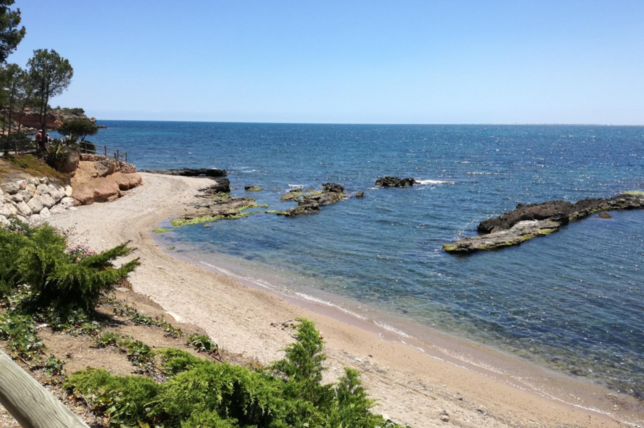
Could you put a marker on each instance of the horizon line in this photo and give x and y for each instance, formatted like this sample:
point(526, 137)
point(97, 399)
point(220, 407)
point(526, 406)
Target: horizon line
point(372, 124)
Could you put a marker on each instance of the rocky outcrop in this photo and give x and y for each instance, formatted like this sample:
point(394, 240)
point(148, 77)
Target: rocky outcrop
point(395, 182)
point(530, 221)
point(55, 118)
point(309, 201)
point(188, 172)
point(103, 181)
point(222, 185)
point(253, 188)
point(221, 207)
point(33, 200)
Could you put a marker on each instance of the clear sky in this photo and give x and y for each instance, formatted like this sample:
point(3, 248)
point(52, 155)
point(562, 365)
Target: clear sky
point(347, 61)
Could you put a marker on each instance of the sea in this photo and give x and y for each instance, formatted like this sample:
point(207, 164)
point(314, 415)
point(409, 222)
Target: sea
point(572, 302)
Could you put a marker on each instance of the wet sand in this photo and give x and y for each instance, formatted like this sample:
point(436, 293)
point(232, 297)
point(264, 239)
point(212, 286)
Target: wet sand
point(415, 381)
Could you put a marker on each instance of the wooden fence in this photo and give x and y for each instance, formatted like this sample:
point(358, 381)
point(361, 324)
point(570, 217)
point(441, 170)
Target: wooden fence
point(29, 402)
point(98, 150)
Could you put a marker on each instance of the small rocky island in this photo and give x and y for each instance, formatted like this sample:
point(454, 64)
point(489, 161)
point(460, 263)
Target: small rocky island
point(395, 182)
point(530, 221)
point(309, 201)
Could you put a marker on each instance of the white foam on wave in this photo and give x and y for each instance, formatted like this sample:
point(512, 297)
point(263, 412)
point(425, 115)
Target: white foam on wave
point(433, 182)
point(296, 186)
point(392, 329)
point(255, 281)
point(326, 303)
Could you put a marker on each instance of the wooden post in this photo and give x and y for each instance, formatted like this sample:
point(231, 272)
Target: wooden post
point(105, 147)
point(29, 402)
point(125, 157)
point(117, 155)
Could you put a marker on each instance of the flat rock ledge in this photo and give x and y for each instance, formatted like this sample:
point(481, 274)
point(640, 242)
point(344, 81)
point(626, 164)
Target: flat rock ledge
point(530, 221)
point(189, 172)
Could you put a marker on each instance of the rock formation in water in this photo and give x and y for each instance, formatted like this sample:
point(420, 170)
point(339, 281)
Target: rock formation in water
point(216, 206)
point(190, 172)
point(395, 182)
point(530, 221)
point(309, 201)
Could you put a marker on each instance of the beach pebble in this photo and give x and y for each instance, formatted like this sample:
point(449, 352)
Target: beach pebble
point(444, 416)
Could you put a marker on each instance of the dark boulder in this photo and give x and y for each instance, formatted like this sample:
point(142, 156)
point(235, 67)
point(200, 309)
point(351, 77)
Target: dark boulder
point(332, 187)
point(395, 182)
point(222, 185)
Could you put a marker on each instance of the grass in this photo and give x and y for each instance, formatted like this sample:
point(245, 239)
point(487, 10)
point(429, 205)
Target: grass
point(36, 167)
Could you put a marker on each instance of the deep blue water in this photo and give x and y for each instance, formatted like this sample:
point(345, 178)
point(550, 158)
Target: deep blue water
point(573, 301)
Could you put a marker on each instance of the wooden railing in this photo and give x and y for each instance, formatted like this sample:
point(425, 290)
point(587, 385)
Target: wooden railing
point(98, 150)
point(29, 402)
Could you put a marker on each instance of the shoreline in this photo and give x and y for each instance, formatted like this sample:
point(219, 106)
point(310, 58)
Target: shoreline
point(412, 385)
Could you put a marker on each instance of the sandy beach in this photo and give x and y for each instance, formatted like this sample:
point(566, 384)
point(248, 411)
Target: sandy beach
point(447, 381)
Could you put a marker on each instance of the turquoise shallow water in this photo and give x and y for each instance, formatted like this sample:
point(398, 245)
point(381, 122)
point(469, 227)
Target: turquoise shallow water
point(573, 301)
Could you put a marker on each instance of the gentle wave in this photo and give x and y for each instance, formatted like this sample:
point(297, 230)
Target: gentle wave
point(433, 182)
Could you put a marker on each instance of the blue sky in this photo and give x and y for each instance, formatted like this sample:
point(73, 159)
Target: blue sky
point(349, 61)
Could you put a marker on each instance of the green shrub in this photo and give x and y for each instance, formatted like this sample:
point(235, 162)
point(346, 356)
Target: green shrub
point(54, 366)
point(124, 398)
point(202, 343)
point(107, 339)
point(61, 281)
point(202, 393)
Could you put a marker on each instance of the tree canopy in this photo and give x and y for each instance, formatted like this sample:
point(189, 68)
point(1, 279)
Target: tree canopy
point(79, 128)
point(50, 74)
point(10, 34)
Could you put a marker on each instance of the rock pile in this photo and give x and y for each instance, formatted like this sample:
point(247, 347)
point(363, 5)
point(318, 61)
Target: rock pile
point(33, 200)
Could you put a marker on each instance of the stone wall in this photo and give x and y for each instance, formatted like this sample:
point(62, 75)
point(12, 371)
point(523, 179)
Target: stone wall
point(33, 200)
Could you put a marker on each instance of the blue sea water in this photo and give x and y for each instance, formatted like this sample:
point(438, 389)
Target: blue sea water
point(573, 301)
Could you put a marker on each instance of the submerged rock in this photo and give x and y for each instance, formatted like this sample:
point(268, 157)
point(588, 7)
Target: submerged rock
point(529, 221)
point(189, 172)
point(253, 188)
point(226, 207)
point(309, 201)
point(395, 182)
